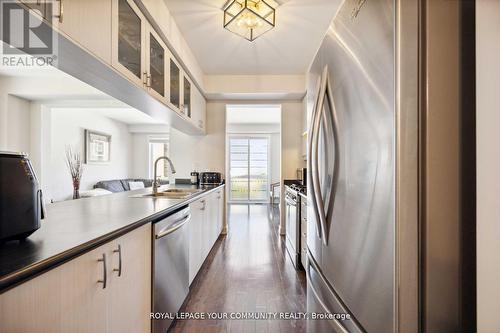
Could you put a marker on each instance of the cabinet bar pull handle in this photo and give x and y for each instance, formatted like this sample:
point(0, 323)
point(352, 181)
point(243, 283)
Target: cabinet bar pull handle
point(104, 270)
point(61, 11)
point(119, 269)
point(147, 79)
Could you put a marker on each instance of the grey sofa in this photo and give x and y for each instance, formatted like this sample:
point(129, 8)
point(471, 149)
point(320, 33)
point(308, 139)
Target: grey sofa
point(121, 185)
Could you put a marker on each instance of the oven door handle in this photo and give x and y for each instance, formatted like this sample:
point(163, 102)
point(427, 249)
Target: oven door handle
point(290, 201)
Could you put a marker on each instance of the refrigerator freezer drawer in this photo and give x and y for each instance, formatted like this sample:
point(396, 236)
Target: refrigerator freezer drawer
point(322, 300)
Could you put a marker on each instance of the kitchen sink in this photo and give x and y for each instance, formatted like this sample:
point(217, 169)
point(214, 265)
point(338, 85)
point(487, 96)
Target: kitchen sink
point(173, 193)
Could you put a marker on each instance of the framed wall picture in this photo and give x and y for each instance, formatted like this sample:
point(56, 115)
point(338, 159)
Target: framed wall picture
point(97, 147)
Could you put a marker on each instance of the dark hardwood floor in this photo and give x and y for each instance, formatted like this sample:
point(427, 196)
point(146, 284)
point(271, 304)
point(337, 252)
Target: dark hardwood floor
point(247, 270)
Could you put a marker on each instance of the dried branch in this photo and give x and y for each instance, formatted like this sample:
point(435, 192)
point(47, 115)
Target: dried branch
point(74, 164)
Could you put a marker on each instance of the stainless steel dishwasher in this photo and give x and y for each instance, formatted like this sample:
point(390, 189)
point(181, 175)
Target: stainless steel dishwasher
point(171, 266)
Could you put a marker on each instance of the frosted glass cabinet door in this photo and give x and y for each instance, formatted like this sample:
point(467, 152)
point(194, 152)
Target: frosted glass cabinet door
point(186, 93)
point(175, 83)
point(157, 66)
point(128, 40)
point(156, 63)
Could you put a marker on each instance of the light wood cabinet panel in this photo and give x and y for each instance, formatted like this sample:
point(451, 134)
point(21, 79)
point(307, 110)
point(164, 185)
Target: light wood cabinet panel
point(83, 299)
point(65, 299)
point(88, 23)
point(33, 307)
point(130, 293)
point(70, 298)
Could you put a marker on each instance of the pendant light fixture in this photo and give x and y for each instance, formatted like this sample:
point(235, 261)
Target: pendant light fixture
point(249, 18)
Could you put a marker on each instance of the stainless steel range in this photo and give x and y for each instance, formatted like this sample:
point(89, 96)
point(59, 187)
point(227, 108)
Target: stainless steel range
point(292, 218)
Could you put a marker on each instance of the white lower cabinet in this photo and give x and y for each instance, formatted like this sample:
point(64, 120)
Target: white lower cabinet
point(205, 227)
point(195, 237)
point(73, 298)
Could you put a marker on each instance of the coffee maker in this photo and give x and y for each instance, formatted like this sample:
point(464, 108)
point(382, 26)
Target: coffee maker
point(21, 204)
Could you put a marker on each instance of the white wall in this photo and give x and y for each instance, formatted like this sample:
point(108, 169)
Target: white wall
point(208, 152)
point(67, 128)
point(140, 160)
point(488, 164)
point(292, 128)
point(17, 132)
point(205, 153)
point(276, 157)
point(290, 87)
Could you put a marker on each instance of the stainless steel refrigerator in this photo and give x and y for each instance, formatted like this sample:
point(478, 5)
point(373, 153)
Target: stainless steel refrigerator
point(351, 172)
point(390, 231)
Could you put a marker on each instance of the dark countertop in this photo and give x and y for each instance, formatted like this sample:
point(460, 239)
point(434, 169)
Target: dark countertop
point(77, 226)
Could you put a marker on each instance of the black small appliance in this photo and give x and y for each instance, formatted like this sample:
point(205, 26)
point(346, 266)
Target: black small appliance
point(21, 204)
point(210, 178)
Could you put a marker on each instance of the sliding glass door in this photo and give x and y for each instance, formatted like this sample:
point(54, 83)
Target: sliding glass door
point(248, 168)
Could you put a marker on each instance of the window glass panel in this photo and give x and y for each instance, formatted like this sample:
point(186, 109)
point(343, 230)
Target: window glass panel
point(258, 169)
point(157, 149)
point(249, 163)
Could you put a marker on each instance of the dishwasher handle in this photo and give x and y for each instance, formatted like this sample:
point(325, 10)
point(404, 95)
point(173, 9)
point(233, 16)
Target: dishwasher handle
point(170, 229)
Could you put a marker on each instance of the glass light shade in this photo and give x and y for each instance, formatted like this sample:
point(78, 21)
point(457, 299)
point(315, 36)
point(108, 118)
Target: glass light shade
point(249, 18)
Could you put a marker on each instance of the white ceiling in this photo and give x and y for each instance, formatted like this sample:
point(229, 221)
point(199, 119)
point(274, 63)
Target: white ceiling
point(253, 114)
point(56, 89)
point(287, 49)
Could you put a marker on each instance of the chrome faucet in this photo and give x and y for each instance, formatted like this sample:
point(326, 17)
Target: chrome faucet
point(155, 180)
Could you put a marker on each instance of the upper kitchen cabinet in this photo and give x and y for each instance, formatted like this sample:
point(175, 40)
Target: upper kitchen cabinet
point(175, 85)
point(39, 7)
point(72, 17)
point(128, 41)
point(156, 65)
point(198, 109)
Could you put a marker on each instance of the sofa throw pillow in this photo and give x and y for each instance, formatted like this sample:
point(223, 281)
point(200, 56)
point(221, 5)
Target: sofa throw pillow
point(135, 185)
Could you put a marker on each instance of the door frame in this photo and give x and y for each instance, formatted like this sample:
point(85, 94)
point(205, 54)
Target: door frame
point(228, 164)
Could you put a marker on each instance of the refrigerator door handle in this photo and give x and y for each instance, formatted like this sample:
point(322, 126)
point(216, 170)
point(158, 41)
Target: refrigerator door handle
point(330, 124)
point(320, 206)
point(312, 131)
point(331, 117)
